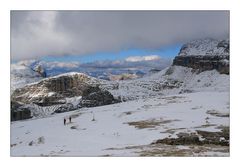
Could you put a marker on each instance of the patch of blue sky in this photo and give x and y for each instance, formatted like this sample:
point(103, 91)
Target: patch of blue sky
point(167, 52)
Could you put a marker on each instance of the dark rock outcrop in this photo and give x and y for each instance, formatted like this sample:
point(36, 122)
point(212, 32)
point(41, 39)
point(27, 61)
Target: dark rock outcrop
point(94, 96)
point(65, 108)
point(213, 138)
point(205, 55)
point(19, 111)
point(204, 63)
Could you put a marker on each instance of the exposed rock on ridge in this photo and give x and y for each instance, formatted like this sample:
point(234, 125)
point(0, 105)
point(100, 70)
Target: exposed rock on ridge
point(205, 55)
point(54, 90)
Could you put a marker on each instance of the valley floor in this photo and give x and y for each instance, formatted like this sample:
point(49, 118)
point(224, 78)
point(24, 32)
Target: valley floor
point(131, 128)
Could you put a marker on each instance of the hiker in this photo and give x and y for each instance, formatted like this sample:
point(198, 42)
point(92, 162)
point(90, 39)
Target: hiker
point(70, 119)
point(64, 120)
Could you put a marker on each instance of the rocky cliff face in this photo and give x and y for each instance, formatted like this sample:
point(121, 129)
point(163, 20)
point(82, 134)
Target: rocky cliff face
point(94, 96)
point(19, 111)
point(205, 55)
point(55, 90)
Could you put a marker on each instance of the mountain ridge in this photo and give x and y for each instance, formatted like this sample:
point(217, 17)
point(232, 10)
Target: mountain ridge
point(206, 54)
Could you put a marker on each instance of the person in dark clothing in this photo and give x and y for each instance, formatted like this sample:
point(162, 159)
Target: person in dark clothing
point(70, 119)
point(64, 121)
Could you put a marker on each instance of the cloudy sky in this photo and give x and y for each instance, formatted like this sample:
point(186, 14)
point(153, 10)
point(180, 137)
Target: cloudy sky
point(98, 35)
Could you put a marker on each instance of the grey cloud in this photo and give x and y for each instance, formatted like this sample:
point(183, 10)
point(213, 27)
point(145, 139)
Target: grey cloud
point(40, 33)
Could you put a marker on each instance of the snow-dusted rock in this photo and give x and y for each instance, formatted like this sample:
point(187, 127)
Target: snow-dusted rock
point(205, 47)
point(55, 90)
point(206, 54)
point(95, 96)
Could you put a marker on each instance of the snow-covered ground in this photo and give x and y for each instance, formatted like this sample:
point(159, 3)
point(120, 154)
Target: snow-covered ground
point(124, 129)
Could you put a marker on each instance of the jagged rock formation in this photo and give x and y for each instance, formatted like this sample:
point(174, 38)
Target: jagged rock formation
point(205, 55)
point(40, 70)
point(55, 90)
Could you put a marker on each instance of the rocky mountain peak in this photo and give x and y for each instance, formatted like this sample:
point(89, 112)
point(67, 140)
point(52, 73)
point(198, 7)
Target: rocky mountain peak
point(205, 54)
point(40, 70)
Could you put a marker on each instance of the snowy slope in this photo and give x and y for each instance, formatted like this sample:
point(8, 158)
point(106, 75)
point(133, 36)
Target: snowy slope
point(172, 80)
point(107, 130)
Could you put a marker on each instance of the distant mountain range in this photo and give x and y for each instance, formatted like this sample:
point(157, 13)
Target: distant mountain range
point(29, 71)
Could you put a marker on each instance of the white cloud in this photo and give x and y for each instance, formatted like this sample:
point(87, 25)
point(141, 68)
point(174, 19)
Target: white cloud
point(62, 64)
point(142, 58)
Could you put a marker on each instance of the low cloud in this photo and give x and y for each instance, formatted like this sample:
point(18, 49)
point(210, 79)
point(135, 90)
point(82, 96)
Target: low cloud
point(132, 62)
point(142, 58)
point(40, 33)
point(70, 65)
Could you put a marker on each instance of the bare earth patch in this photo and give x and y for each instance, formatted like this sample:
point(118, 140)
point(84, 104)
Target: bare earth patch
point(179, 151)
point(217, 113)
point(205, 126)
point(152, 123)
point(199, 138)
